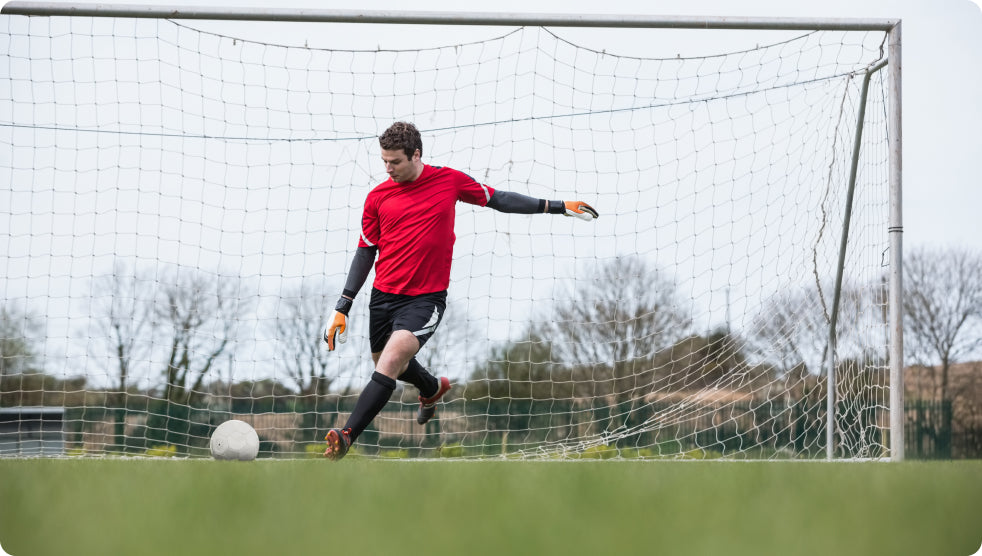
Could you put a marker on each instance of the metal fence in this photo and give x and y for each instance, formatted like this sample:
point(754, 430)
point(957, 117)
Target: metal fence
point(933, 433)
point(488, 429)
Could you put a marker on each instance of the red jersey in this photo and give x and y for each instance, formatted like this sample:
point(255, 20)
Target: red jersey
point(412, 224)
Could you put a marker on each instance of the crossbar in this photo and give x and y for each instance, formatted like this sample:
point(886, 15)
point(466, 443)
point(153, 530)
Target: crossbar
point(444, 18)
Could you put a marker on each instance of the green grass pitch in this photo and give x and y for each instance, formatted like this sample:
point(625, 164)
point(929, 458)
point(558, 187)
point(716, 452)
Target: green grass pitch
point(358, 506)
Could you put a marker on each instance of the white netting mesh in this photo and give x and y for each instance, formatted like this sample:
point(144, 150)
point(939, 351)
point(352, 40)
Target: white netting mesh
point(182, 208)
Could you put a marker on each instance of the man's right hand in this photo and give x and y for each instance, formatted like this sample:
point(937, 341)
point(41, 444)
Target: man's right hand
point(337, 327)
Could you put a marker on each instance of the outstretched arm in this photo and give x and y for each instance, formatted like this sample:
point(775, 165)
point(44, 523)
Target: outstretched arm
point(516, 203)
point(361, 265)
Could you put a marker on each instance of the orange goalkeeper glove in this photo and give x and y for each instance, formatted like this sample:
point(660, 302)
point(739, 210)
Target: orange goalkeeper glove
point(337, 328)
point(580, 210)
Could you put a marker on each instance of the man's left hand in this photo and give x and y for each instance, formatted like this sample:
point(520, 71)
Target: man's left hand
point(581, 210)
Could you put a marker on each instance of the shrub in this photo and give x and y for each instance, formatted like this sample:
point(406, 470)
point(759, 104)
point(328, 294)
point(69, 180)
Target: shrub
point(161, 451)
point(453, 450)
point(601, 451)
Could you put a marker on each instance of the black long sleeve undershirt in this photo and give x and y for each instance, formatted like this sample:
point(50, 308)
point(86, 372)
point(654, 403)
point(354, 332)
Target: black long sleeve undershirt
point(516, 203)
point(361, 265)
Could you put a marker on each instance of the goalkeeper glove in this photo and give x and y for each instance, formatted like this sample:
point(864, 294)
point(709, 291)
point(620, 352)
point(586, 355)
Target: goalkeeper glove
point(580, 210)
point(337, 328)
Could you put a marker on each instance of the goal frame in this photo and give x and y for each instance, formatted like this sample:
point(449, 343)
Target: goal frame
point(894, 117)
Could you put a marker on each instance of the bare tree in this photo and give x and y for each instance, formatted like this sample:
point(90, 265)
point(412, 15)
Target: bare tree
point(452, 348)
point(298, 327)
point(792, 328)
point(199, 314)
point(122, 329)
point(942, 310)
point(122, 323)
point(20, 333)
point(614, 323)
point(792, 332)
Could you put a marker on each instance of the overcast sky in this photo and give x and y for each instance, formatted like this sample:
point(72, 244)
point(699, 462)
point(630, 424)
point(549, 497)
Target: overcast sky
point(942, 84)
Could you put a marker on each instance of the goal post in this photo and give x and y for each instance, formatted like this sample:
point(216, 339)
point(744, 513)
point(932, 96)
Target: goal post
point(184, 203)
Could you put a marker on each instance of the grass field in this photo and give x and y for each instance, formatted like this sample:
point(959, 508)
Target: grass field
point(109, 507)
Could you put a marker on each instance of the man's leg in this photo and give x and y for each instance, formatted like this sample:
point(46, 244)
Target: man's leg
point(430, 388)
point(389, 364)
point(422, 319)
point(396, 354)
point(418, 376)
point(411, 324)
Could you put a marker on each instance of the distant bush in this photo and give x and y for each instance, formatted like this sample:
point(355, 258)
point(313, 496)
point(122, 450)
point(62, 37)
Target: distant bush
point(161, 451)
point(314, 450)
point(601, 451)
point(453, 450)
point(701, 453)
point(393, 454)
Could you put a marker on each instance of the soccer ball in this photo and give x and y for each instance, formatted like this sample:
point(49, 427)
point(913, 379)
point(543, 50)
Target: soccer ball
point(235, 440)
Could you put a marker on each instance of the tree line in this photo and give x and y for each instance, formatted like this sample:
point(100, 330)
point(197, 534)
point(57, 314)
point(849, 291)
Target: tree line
point(621, 335)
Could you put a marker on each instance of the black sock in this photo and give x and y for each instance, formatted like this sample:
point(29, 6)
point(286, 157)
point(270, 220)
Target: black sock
point(419, 377)
point(372, 399)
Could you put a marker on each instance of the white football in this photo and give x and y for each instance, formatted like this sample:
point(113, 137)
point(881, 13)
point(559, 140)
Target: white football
point(235, 439)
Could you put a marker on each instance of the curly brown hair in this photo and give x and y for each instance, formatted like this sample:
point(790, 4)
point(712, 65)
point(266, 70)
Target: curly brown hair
point(402, 135)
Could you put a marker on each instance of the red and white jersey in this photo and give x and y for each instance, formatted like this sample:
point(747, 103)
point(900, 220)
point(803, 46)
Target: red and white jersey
point(412, 224)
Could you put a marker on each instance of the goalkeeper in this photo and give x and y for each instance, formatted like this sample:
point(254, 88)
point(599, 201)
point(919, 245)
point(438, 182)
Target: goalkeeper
point(408, 221)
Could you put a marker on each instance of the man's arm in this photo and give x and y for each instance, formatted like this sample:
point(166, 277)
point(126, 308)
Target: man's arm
point(361, 265)
point(516, 203)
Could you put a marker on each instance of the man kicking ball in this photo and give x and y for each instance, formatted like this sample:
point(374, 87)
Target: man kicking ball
point(408, 221)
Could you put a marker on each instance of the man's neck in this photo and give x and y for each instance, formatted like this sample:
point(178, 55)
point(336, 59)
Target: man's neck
point(419, 171)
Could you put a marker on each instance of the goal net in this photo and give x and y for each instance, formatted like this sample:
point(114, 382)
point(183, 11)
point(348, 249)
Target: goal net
point(184, 200)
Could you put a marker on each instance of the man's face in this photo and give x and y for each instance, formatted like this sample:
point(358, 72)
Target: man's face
point(400, 167)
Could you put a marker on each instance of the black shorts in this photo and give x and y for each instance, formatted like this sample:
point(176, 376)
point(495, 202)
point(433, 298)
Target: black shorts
point(419, 314)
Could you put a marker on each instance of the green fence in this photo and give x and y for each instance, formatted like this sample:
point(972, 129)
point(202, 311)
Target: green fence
point(932, 432)
point(764, 429)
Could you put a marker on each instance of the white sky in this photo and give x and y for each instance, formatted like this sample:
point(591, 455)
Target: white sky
point(942, 84)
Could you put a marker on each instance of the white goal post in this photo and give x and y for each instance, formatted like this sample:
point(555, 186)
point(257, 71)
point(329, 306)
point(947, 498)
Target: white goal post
point(183, 205)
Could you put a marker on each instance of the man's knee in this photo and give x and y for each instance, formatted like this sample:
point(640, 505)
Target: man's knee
point(394, 357)
point(404, 339)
